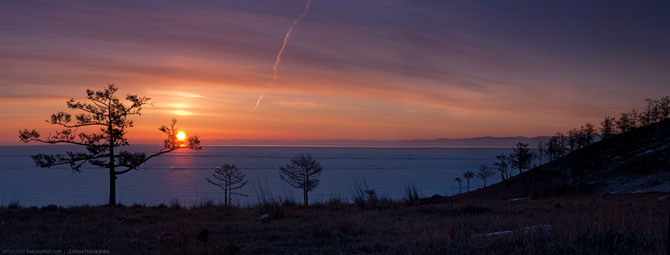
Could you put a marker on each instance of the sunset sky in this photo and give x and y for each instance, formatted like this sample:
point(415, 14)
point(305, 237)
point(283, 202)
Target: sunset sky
point(354, 69)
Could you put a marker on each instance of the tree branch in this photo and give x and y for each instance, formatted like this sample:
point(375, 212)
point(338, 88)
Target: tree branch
point(133, 164)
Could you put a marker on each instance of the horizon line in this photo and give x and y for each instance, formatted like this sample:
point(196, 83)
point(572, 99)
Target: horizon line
point(318, 142)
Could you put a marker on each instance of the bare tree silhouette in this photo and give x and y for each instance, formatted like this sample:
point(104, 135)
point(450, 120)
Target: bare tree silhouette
point(608, 128)
point(228, 177)
point(468, 175)
point(103, 110)
point(484, 173)
point(302, 173)
point(503, 166)
point(460, 182)
point(586, 135)
point(635, 118)
point(664, 105)
point(625, 123)
point(573, 140)
point(521, 157)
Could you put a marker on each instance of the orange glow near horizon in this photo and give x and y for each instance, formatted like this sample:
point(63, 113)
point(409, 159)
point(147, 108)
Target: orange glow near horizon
point(463, 71)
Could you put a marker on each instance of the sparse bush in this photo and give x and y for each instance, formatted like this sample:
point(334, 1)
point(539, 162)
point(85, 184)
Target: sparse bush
point(364, 196)
point(14, 204)
point(174, 204)
point(204, 204)
point(411, 193)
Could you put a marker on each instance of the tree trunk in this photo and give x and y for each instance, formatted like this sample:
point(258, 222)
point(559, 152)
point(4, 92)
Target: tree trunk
point(112, 174)
point(304, 187)
point(304, 191)
point(225, 196)
point(230, 194)
point(112, 187)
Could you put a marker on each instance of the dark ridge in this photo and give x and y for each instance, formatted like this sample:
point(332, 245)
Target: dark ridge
point(632, 162)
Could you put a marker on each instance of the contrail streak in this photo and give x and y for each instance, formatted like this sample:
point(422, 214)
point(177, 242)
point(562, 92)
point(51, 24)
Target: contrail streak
point(287, 36)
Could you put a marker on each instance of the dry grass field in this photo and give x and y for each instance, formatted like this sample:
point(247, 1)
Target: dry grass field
point(620, 224)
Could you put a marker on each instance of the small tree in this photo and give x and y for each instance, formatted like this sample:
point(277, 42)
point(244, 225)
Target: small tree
point(521, 157)
point(460, 181)
point(468, 175)
point(550, 149)
point(103, 110)
point(651, 113)
point(228, 177)
point(587, 134)
point(608, 128)
point(625, 123)
point(664, 105)
point(484, 173)
point(561, 144)
point(573, 140)
point(635, 118)
point(302, 173)
point(503, 166)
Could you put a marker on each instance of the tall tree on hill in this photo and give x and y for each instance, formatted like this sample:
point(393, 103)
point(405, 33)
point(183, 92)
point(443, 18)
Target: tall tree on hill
point(460, 181)
point(503, 166)
point(573, 140)
point(551, 148)
point(521, 157)
point(103, 110)
point(651, 112)
point(625, 124)
point(302, 173)
point(588, 134)
point(562, 143)
point(608, 128)
point(634, 118)
point(468, 175)
point(664, 105)
point(484, 173)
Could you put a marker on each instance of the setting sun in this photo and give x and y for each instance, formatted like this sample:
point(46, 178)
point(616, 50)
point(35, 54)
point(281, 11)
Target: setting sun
point(181, 136)
point(445, 119)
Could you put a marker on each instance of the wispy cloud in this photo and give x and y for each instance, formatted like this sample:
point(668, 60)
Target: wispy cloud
point(459, 67)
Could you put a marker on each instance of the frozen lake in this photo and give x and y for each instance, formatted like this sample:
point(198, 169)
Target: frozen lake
point(181, 175)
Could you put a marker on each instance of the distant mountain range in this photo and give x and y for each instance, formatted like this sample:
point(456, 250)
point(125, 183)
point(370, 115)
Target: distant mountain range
point(487, 141)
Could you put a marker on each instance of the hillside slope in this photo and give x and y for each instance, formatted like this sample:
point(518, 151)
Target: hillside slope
point(625, 163)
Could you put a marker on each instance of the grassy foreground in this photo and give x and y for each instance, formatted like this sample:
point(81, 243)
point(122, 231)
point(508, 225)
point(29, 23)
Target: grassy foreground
point(621, 224)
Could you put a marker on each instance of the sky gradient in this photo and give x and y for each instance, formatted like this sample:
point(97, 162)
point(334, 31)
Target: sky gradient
point(352, 69)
